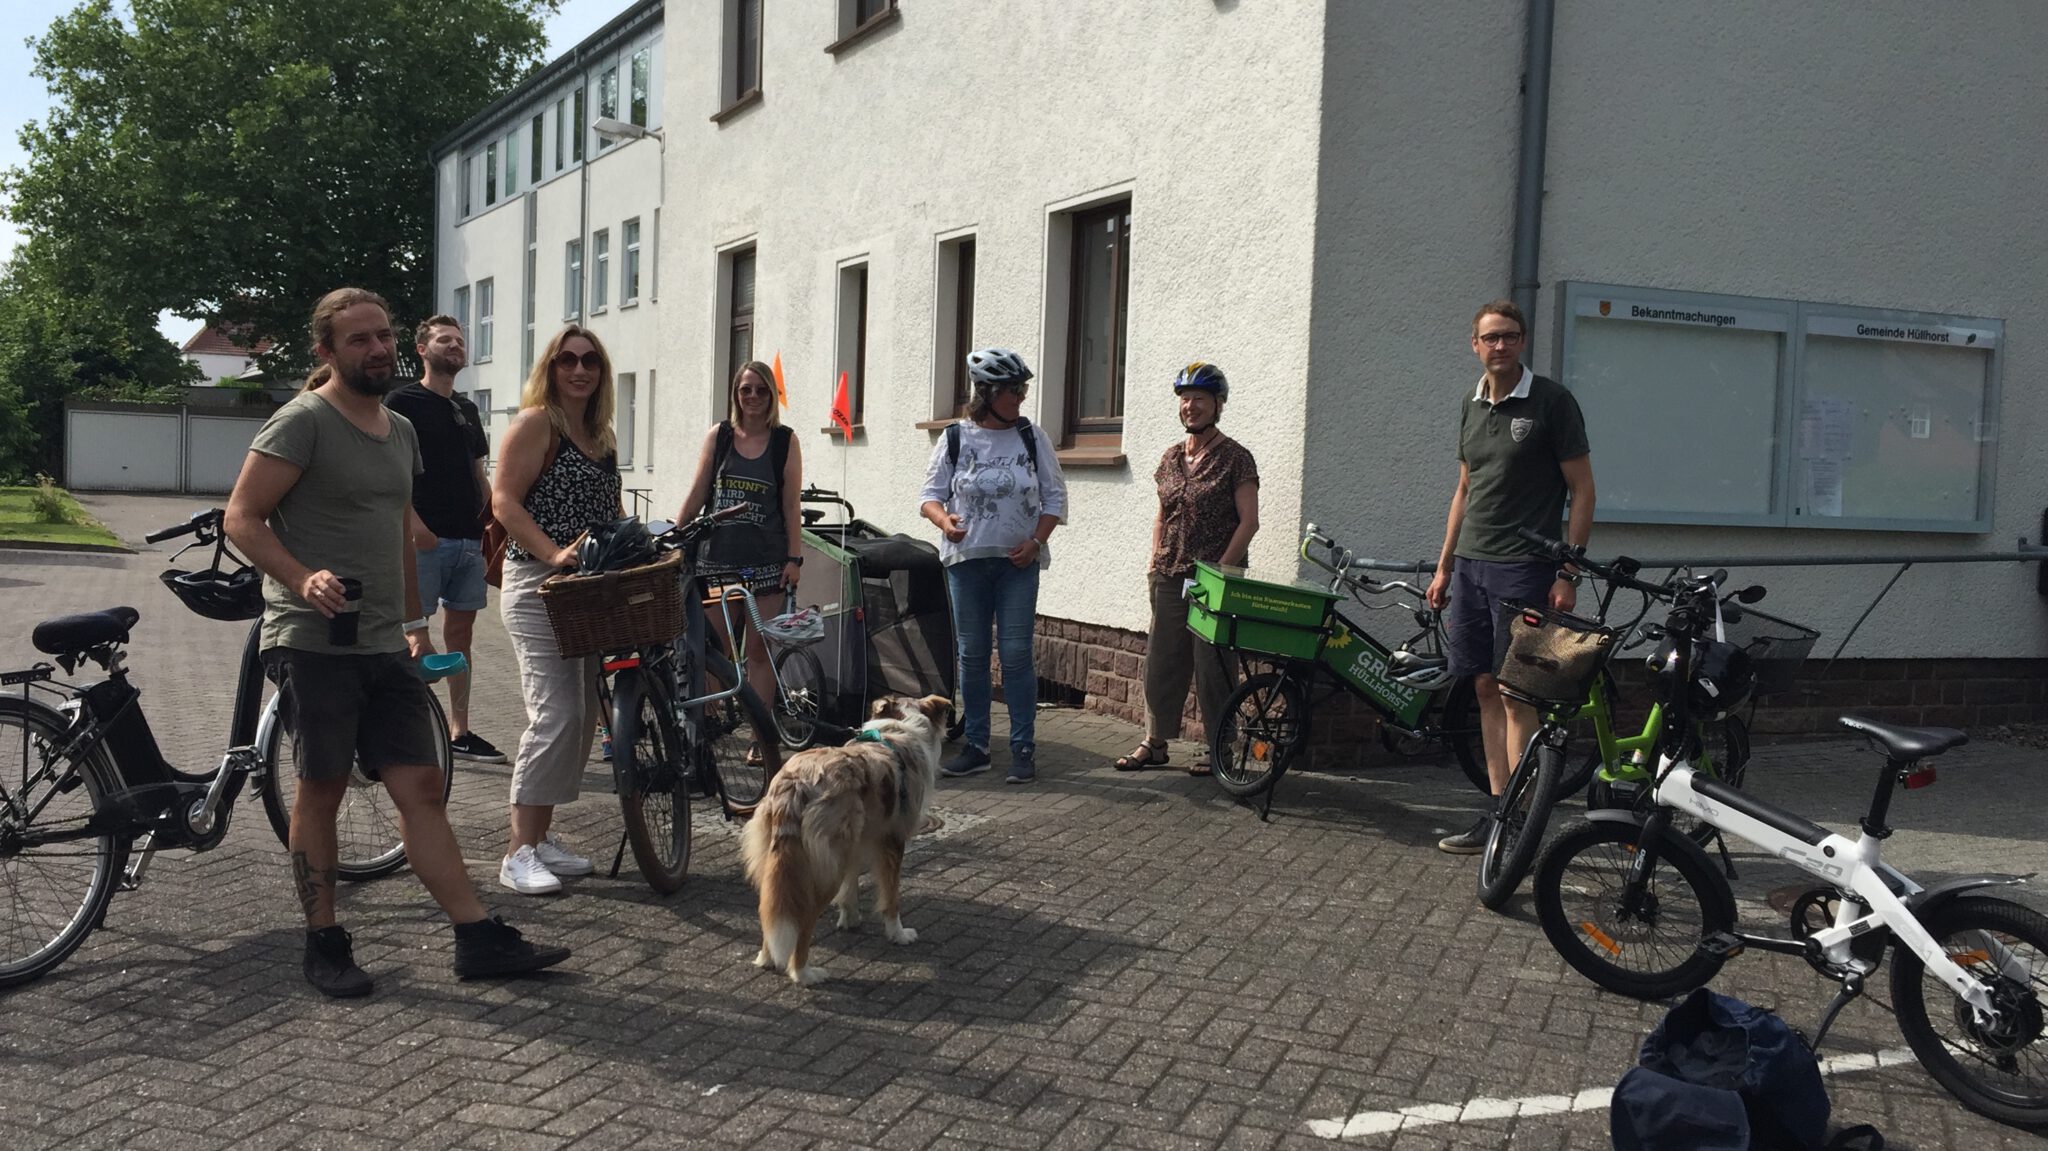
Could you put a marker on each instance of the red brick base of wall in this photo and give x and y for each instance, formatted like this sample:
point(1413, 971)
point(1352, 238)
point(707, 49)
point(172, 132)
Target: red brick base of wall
point(1107, 666)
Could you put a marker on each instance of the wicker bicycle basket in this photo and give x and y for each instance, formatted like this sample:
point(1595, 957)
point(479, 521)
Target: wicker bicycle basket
point(615, 611)
point(1549, 656)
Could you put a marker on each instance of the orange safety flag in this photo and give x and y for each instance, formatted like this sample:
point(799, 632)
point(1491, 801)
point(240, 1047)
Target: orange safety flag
point(842, 409)
point(781, 392)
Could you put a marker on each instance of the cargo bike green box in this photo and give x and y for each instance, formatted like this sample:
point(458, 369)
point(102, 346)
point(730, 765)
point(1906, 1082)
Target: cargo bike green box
point(1234, 608)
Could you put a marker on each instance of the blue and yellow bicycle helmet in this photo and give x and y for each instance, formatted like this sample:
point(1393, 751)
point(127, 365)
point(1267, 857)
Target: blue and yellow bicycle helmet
point(1202, 377)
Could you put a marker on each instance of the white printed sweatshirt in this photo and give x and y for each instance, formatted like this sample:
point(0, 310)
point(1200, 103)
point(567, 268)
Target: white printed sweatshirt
point(994, 491)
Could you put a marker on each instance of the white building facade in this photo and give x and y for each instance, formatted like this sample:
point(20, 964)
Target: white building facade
point(543, 219)
point(1788, 262)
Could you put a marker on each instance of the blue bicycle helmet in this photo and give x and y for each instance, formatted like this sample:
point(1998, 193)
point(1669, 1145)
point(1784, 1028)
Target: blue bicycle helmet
point(1202, 377)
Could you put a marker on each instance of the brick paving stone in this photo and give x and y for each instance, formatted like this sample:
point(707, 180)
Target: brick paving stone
point(1105, 960)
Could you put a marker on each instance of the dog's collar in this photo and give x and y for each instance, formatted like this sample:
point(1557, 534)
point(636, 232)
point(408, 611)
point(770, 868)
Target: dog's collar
point(870, 735)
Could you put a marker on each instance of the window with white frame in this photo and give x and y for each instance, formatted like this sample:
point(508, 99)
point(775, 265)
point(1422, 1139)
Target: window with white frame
point(742, 50)
point(627, 409)
point(481, 397)
point(511, 163)
point(490, 173)
point(459, 307)
point(486, 304)
point(561, 131)
point(600, 269)
point(654, 261)
point(607, 100)
point(579, 124)
point(954, 332)
point(530, 283)
point(629, 270)
point(853, 336)
point(737, 272)
point(572, 280)
point(1714, 409)
point(468, 187)
point(642, 67)
point(539, 128)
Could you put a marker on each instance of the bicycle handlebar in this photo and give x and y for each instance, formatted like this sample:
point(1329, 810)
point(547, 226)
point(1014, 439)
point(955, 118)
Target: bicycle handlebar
point(210, 518)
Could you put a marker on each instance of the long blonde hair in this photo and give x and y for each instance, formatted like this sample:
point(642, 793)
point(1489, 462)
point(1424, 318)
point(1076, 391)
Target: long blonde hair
point(539, 391)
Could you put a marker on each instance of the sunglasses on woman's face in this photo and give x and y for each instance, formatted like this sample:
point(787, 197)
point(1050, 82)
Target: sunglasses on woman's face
point(753, 390)
point(591, 361)
point(1018, 390)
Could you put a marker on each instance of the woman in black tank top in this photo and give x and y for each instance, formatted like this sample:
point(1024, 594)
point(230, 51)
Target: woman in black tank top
point(557, 476)
point(750, 458)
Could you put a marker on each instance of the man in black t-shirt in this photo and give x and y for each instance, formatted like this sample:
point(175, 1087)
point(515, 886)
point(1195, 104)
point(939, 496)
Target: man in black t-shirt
point(450, 505)
point(1521, 450)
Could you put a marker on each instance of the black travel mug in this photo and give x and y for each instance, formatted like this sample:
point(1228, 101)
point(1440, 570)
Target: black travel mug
point(341, 628)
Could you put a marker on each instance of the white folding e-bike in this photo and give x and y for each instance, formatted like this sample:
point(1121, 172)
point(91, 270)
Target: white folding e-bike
point(1642, 911)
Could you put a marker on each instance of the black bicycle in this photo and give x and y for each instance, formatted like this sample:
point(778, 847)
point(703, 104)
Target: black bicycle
point(669, 736)
point(86, 796)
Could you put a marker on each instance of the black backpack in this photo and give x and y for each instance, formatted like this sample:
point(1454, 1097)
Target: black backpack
point(1717, 1074)
point(1023, 429)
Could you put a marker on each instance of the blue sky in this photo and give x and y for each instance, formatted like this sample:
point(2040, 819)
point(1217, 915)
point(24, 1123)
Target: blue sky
point(22, 97)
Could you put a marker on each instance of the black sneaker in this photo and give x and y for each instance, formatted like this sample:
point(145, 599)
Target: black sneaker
point(494, 947)
point(331, 964)
point(969, 760)
point(470, 745)
point(1470, 842)
point(1022, 769)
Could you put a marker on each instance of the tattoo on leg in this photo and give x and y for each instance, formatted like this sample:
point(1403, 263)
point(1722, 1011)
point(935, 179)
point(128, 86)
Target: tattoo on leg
point(308, 882)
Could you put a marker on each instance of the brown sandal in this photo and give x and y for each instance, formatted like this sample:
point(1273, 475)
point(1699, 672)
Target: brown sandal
point(1148, 755)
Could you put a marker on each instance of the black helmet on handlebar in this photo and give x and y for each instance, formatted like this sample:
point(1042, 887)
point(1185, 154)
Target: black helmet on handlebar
point(230, 597)
point(620, 544)
point(1722, 675)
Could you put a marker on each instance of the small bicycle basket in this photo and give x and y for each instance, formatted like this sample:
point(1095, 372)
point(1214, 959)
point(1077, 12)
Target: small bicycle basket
point(615, 611)
point(1776, 647)
point(1549, 656)
point(798, 627)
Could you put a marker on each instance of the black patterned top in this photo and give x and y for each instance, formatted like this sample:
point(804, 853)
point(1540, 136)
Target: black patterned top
point(574, 494)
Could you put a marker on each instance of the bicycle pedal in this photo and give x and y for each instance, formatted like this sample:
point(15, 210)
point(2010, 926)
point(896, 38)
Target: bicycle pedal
point(1721, 945)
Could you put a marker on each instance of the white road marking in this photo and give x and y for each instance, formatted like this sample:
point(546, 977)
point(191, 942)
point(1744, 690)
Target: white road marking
point(1592, 1099)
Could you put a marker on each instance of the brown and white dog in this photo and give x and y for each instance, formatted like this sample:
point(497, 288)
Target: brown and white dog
point(833, 812)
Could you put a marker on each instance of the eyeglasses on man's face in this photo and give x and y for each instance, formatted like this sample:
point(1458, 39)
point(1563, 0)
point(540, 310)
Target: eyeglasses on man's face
point(1499, 339)
point(566, 360)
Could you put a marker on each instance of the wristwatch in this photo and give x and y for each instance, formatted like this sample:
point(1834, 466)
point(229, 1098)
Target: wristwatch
point(797, 560)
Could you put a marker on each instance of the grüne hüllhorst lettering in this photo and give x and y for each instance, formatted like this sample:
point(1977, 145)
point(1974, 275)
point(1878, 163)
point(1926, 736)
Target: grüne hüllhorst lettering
point(1718, 319)
point(1929, 334)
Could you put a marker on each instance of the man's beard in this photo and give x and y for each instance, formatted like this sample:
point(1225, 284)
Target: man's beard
point(448, 363)
point(362, 382)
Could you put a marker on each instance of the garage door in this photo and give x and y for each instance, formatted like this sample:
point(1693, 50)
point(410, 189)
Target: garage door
point(121, 451)
point(214, 451)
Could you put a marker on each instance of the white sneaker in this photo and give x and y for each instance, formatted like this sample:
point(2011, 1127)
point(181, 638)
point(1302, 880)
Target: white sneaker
point(523, 872)
point(559, 859)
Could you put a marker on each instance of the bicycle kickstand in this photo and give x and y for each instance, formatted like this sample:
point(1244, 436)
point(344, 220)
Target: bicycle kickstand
point(131, 879)
point(619, 856)
point(1852, 986)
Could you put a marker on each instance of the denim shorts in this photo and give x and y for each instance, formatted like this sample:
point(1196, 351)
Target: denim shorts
point(452, 574)
point(1477, 587)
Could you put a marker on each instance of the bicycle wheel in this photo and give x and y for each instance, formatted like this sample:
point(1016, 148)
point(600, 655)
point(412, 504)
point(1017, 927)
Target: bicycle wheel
point(1643, 943)
point(802, 698)
point(740, 738)
point(1724, 754)
point(55, 875)
point(1520, 817)
point(1999, 1068)
point(654, 789)
point(1264, 722)
point(366, 828)
point(1459, 721)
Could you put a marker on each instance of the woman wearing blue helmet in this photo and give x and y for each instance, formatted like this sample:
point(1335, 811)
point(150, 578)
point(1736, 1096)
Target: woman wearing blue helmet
point(1208, 510)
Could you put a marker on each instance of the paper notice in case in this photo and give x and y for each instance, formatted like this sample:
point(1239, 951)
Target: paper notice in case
point(1824, 488)
point(1826, 429)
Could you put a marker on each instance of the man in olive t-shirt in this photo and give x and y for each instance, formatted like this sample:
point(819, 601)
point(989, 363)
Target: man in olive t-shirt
point(325, 496)
point(1521, 450)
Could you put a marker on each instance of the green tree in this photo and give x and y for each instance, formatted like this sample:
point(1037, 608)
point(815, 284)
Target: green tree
point(233, 159)
point(54, 345)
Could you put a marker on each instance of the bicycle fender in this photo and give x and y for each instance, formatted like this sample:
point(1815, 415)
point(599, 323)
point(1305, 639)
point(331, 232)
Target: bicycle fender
point(1672, 844)
point(624, 724)
point(1933, 897)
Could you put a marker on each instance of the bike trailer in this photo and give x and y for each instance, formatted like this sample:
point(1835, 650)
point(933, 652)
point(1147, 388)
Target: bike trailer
point(888, 617)
point(1717, 1074)
point(1257, 612)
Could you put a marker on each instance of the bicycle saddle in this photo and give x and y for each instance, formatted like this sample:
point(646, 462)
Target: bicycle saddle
point(1907, 743)
point(74, 633)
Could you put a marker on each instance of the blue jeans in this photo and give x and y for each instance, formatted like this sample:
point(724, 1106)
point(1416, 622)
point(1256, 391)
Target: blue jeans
point(996, 594)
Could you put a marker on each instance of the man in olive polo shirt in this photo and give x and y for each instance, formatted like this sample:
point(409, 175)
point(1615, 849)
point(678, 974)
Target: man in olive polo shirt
point(1521, 451)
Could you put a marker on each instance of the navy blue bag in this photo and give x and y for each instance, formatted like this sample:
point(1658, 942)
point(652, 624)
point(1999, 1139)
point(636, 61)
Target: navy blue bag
point(1717, 1074)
